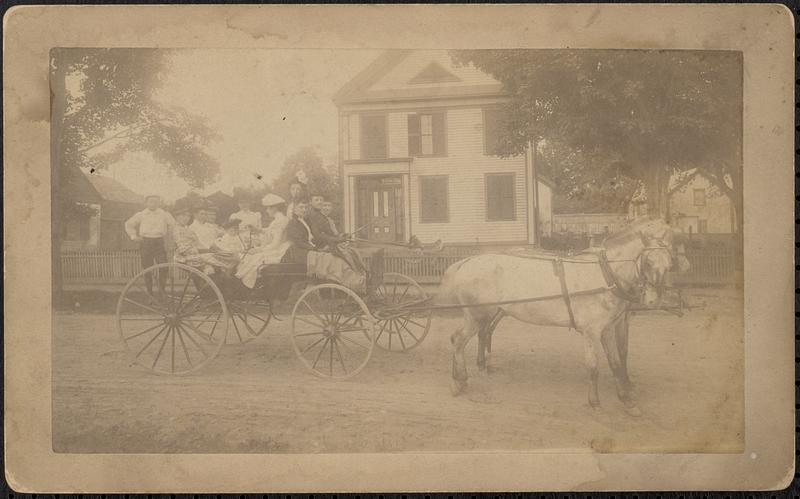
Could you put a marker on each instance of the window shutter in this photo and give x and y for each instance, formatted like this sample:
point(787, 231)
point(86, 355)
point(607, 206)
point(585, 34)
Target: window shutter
point(500, 197)
point(438, 135)
point(414, 143)
point(433, 199)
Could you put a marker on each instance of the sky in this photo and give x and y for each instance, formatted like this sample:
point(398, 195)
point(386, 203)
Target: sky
point(265, 104)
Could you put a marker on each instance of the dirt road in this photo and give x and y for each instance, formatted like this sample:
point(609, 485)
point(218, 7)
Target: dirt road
point(257, 397)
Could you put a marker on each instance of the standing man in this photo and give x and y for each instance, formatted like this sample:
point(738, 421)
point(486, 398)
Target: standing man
point(150, 228)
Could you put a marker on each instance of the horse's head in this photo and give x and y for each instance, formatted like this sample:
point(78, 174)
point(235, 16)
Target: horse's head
point(660, 254)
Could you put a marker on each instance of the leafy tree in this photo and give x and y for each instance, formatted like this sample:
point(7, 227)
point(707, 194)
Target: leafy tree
point(321, 180)
point(643, 113)
point(103, 105)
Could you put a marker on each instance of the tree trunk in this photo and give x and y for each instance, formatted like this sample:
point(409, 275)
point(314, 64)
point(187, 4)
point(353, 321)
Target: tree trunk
point(57, 176)
point(656, 182)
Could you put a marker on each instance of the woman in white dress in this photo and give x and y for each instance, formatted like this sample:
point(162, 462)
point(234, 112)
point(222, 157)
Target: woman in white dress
point(274, 243)
point(249, 221)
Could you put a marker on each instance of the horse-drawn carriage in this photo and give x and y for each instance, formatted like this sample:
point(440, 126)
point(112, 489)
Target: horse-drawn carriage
point(334, 329)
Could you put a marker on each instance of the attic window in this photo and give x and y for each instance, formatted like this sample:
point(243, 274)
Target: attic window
point(433, 73)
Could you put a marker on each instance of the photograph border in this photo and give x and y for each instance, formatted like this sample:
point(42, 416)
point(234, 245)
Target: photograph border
point(763, 32)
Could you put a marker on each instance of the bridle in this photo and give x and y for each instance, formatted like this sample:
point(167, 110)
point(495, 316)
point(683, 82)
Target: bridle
point(641, 283)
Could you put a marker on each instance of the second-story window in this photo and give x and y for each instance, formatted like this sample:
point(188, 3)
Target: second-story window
point(426, 134)
point(373, 136)
point(699, 197)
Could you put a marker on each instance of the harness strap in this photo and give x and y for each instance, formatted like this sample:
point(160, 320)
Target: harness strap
point(558, 268)
point(613, 282)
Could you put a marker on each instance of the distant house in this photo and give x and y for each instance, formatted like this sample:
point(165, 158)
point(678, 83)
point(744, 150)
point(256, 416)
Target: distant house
point(103, 206)
point(694, 205)
point(418, 137)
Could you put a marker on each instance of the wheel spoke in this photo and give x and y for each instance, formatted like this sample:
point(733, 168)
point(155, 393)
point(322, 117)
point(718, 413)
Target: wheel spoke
point(314, 366)
point(203, 350)
point(310, 323)
point(351, 329)
point(409, 331)
point(350, 340)
point(339, 354)
point(199, 333)
point(172, 362)
point(197, 309)
point(310, 309)
point(236, 328)
point(183, 344)
point(380, 333)
point(399, 300)
point(183, 293)
point(312, 345)
point(309, 334)
point(330, 362)
point(161, 348)
point(141, 319)
point(151, 341)
point(399, 333)
point(144, 332)
point(145, 307)
point(408, 319)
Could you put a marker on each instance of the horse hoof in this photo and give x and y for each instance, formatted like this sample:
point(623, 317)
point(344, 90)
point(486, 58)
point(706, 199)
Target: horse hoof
point(457, 387)
point(594, 404)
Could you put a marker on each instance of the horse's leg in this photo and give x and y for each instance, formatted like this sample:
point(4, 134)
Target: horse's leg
point(608, 339)
point(621, 334)
point(486, 328)
point(590, 357)
point(459, 340)
point(482, 346)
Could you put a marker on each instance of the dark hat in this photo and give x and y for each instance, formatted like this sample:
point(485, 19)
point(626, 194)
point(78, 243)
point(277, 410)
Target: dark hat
point(181, 207)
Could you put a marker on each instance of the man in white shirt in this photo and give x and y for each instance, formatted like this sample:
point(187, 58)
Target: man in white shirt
point(150, 227)
point(205, 231)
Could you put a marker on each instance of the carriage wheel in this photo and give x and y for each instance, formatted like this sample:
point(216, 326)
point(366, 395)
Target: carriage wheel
point(248, 320)
point(401, 333)
point(177, 330)
point(332, 331)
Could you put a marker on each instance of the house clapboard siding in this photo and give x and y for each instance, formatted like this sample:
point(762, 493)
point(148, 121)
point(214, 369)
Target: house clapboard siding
point(404, 84)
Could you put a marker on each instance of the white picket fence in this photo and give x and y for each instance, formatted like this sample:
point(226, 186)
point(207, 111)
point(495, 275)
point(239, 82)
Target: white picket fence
point(713, 265)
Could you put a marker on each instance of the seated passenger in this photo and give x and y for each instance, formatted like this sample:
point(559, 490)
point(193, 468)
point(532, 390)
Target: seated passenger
point(229, 248)
point(327, 239)
point(323, 260)
point(250, 221)
point(188, 248)
point(273, 246)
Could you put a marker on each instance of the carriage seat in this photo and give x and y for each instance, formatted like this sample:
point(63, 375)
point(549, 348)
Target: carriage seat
point(284, 268)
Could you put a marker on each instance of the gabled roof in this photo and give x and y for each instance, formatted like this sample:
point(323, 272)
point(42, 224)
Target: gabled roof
point(80, 189)
point(431, 81)
point(433, 73)
point(111, 190)
point(370, 74)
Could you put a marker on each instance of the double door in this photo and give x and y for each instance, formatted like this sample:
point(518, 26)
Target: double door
point(379, 206)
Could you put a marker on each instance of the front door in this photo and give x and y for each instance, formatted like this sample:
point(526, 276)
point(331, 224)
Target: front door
point(379, 206)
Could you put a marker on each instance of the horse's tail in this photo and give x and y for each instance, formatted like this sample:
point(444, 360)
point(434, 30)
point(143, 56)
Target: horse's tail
point(447, 288)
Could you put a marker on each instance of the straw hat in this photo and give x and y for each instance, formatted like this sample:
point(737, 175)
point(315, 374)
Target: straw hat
point(272, 200)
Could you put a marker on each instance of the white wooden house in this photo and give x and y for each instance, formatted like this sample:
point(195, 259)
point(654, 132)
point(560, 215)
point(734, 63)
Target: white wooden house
point(417, 136)
point(694, 204)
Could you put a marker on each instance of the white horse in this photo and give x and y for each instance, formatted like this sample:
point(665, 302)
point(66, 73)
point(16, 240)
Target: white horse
point(599, 286)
